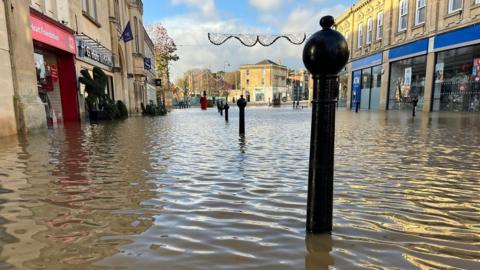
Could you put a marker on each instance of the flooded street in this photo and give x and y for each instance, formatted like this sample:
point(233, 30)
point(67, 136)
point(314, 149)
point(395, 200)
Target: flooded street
point(184, 192)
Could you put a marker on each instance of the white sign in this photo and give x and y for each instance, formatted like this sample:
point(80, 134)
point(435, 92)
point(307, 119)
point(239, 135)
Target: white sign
point(408, 77)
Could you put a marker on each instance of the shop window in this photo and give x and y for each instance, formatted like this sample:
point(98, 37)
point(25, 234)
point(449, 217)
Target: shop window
point(90, 8)
point(369, 30)
point(343, 89)
point(454, 5)
point(407, 82)
point(457, 80)
point(403, 15)
point(360, 35)
point(379, 25)
point(117, 11)
point(420, 12)
point(110, 88)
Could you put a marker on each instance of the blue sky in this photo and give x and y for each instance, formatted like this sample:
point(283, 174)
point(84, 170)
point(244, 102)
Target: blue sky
point(189, 21)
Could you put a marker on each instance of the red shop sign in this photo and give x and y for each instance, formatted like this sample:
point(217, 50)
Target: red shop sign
point(48, 33)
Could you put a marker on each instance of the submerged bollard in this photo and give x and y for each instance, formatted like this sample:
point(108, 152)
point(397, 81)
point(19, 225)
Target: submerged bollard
point(324, 55)
point(226, 107)
point(242, 103)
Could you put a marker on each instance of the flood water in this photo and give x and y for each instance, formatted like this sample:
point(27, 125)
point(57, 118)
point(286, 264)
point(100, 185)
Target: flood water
point(184, 192)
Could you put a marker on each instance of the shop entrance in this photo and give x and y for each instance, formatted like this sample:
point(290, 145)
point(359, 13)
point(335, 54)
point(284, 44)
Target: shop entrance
point(366, 87)
point(56, 84)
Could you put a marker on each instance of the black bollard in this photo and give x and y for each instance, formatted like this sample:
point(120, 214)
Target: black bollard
point(227, 107)
point(357, 106)
point(324, 55)
point(221, 108)
point(242, 103)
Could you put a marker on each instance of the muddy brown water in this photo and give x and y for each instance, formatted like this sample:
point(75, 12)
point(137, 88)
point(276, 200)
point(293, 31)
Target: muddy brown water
point(184, 192)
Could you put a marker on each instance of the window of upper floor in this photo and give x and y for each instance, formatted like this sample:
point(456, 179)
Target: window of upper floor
point(476, 2)
point(137, 39)
point(248, 72)
point(402, 15)
point(360, 35)
point(420, 11)
point(369, 30)
point(454, 6)
point(379, 25)
point(89, 8)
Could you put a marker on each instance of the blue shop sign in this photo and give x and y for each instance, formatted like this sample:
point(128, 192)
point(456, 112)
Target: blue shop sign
point(147, 63)
point(409, 50)
point(369, 61)
point(458, 38)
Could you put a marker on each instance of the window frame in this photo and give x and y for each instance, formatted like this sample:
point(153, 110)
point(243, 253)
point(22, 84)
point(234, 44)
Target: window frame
point(137, 41)
point(360, 35)
point(89, 9)
point(417, 11)
point(402, 16)
point(379, 33)
point(369, 31)
point(450, 7)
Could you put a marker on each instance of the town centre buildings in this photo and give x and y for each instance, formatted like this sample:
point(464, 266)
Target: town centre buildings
point(402, 50)
point(44, 44)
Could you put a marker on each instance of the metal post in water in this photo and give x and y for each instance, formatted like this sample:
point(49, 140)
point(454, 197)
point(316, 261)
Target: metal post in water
point(227, 107)
point(242, 103)
point(325, 54)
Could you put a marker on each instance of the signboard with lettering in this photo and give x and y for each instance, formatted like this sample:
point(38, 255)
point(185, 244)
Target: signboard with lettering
point(50, 34)
point(147, 63)
point(94, 51)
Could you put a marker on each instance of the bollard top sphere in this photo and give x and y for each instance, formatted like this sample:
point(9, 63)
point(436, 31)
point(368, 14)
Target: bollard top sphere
point(326, 52)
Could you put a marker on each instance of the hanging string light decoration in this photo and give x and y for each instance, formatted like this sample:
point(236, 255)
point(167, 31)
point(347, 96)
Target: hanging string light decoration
point(250, 40)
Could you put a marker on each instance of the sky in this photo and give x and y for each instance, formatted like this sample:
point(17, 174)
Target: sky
point(188, 22)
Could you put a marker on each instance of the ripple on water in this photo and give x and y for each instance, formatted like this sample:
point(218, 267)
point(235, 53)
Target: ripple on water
point(184, 192)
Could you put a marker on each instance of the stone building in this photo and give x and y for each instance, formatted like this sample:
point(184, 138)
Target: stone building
point(264, 81)
point(149, 66)
point(41, 61)
point(90, 20)
point(298, 84)
point(128, 57)
point(21, 109)
point(404, 50)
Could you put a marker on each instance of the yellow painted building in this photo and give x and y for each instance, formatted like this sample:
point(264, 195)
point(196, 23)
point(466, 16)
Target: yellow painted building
point(405, 50)
point(264, 81)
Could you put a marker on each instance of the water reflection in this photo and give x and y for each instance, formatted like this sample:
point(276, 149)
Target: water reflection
point(185, 192)
point(319, 248)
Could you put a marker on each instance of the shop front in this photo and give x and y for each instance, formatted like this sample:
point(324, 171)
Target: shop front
point(90, 54)
point(408, 64)
point(366, 82)
point(457, 71)
point(54, 54)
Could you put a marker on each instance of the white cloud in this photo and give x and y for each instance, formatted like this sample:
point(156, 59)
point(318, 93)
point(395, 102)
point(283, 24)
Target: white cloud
point(206, 6)
point(190, 33)
point(266, 5)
